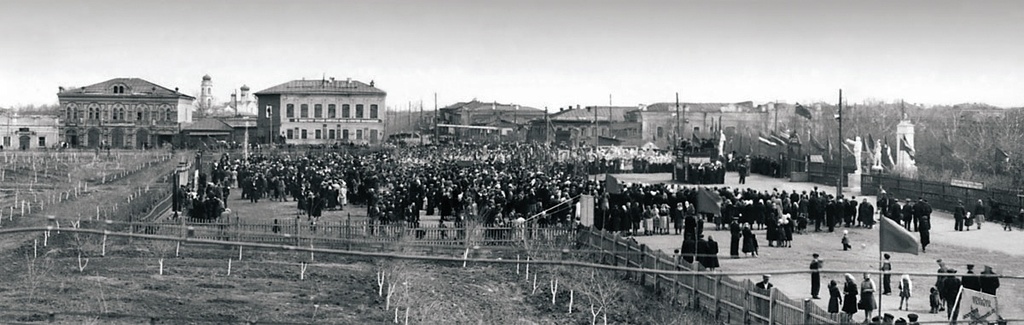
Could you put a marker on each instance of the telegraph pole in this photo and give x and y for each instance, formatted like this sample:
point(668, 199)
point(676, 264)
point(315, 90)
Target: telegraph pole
point(839, 139)
point(435, 120)
point(675, 140)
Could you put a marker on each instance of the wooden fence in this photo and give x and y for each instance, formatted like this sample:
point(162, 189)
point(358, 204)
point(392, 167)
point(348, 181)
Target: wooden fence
point(940, 195)
point(727, 300)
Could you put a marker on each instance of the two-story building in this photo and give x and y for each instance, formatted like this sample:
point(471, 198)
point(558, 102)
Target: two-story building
point(324, 111)
point(123, 113)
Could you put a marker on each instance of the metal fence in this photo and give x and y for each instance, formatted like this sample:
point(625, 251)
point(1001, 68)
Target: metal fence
point(940, 195)
point(726, 299)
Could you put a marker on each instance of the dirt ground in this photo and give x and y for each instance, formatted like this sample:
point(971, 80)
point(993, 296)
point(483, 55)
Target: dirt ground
point(988, 246)
point(125, 287)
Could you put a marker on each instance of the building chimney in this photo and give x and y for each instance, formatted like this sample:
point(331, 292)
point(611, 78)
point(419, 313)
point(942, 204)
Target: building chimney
point(175, 89)
point(60, 89)
point(371, 83)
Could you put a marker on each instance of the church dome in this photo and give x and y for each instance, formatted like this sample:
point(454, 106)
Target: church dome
point(206, 77)
point(244, 87)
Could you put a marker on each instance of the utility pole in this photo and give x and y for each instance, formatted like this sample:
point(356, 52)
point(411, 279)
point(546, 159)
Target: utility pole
point(419, 124)
point(595, 127)
point(839, 140)
point(776, 107)
point(675, 140)
point(436, 121)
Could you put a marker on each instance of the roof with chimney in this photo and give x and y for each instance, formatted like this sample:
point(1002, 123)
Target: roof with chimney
point(324, 87)
point(475, 105)
point(133, 87)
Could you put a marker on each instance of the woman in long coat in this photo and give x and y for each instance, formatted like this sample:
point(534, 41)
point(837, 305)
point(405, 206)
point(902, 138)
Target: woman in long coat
point(711, 254)
point(850, 297)
point(867, 296)
point(834, 298)
point(734, 240)
point(749, 241)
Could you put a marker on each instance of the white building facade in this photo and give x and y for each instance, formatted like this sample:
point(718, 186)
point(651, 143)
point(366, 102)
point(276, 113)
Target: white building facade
point(314, 112)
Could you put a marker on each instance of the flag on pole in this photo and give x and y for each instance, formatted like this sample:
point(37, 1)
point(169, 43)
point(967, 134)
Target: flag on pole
point(708, 202)
point(766, 140)
point(905, 147)
point(779, 138)
point(611, 185)
point(803, 111)
point(1002, 155)
point(894, 238)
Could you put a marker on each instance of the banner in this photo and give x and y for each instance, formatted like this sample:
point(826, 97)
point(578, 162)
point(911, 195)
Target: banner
point(585, 208)
point(978, 308)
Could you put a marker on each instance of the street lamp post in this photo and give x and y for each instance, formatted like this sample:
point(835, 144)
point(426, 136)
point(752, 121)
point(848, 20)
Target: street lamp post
point(842, 171)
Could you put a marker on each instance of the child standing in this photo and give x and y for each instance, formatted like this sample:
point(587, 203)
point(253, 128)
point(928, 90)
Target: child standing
point(906, 287)
point(933, 299)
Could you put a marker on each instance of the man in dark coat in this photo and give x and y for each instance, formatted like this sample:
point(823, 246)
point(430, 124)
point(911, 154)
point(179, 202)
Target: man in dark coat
point(969, 280)
point(921, 210)
point(866, 214)
point(908, 214)
point(816, 265)
point(959, 214)
point(924, 226)
point(989, 282)
point(734, 239)
point(711, 254)
point(950, 291)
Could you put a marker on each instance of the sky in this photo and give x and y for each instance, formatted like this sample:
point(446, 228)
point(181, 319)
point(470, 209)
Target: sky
point(533, 53)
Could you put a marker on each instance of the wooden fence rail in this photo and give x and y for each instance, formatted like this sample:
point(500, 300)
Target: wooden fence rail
point(724, 298)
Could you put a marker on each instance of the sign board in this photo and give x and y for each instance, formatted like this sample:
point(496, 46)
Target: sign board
point(698, 160)
point(817, 159)
point(585, 208)
point(967, 184)
point(978, 308)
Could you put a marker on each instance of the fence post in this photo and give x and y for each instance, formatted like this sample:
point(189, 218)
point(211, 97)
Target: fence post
point(656, 275)
point(718, 297)
point(298, 231)
point(807, 311)
point(746, 306)
point(348, 231)
point(771, 306)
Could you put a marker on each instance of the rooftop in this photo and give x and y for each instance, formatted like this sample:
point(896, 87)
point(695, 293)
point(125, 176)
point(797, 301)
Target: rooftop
point(323, 86)
point(133, 87)
point(601, 113)
point(474, 105)
point(702, 107)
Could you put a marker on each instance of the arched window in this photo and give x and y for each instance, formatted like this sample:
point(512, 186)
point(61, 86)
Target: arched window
point(69, 109)
point(170, 117)
point(304, 110)
point(120, 114)
point(318, 111)
point(373, 111)
point(346, 111)
point(290, 110)
point(332, 111)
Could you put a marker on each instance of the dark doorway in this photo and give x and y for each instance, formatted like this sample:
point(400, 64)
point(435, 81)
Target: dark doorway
point(117, 138)
point(141, 139)
point(24, 142)
point(94, 138)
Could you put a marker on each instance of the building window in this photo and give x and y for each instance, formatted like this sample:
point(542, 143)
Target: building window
point(269, 110)
point(290, 134)
point(290, 110)
point(318, 134)
point(330, 134)
point(345, 111)
point(303, 134)
point(42, 141)
point(332, 111)
point(344, 134)
point(7, 141)
point(303, 111)
point(170, 117)
point(318, 111)
point(373, 136)
point(373, 111)
point(359, 110)
point(138, 116)
point(69, 113)
point(118, 89)
point(120, 114)
point(359, 134)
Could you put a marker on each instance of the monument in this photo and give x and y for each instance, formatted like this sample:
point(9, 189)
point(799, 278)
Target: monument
point(876, 156)
point(905, 164)
point(857, 147)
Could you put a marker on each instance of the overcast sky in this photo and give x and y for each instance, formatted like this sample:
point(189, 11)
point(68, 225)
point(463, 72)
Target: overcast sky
point(533, 53)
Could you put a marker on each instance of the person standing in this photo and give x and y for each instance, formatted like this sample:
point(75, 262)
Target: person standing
point(908, 214)
point(989, 281)
point(816, 265)
point(734, 239)
point(924, 226)
point(906, 289)
point(711, 254)
point(835, 298)
point(867, 296)
point(866, 214)
point(969, 280)
point(849, 297)
point(950, 291)
point(959, 214)
point(979, 212)
point(886, 268)
point(940, 281)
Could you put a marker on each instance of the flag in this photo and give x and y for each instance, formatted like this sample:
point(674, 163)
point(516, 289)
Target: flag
point(978, 307)
point(708, 202)
point(611, 185)
point(815, 143)
point(778, 138)
point(905, 147)
point(803, 111)
point(887, 160)
point(871, 144)
point(894, 238)
point(1002, 155)
point(766, 140)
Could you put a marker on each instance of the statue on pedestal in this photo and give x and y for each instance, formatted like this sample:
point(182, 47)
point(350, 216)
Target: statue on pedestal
point(877, 156)
point(857, 146)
